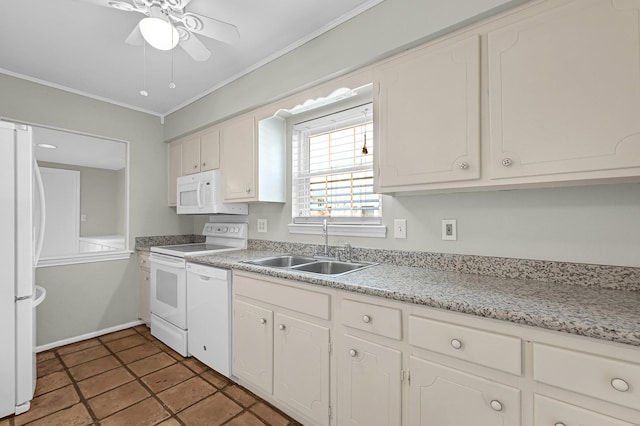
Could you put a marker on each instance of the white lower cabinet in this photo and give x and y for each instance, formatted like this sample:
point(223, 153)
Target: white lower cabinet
point(301, 366)
point(549, 411)
point(369, 383)
point(443, 396)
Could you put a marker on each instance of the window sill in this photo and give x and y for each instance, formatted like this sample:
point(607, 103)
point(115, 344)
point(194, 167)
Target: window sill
point(84, 258)
point(371, 231)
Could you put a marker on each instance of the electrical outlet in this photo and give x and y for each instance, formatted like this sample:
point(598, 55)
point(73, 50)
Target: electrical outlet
point(449, 230)
point(262, 225)
point(400, 228)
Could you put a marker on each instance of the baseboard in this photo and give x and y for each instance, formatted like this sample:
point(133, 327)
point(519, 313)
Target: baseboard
point(87, 336)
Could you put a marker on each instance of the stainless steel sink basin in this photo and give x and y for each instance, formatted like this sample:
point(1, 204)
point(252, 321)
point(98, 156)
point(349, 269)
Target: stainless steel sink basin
point(285, 261)
point(330, 267)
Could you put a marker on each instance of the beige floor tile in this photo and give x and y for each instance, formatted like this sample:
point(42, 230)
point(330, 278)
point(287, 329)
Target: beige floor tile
point(215, 410)
point(116, 399)
point(168, 350)
point(185, 394)
point(76, 415)
point(49, 403)
point(118, 335)
point(78, 346)
point(240, 395)
point(126, 342)
point(170, 422)
point(146, 349)
point(49, 366)
point(245, 419)
point(53, 381)
point(85, 355)
point(7, 422)
point(105, 381)
point(91, 368)
point(215, 378)
point(269, 414)
point(153, 363)
point(145, 413)
point(167, 377)
point(195, 365)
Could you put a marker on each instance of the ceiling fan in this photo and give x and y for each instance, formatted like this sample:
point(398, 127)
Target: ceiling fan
point(168, 24)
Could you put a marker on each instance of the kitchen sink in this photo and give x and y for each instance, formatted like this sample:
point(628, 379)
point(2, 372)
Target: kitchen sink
point(310, 264)
point(330, 267)
point(285, 261)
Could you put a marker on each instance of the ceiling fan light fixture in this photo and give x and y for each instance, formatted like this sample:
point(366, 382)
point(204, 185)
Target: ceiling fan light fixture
point(159, 33)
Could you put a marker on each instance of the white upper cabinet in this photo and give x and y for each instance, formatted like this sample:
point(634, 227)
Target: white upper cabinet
point(564, 92)
point(427, 116)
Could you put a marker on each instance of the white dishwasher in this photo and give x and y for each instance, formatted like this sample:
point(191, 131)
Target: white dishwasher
point(209, 316)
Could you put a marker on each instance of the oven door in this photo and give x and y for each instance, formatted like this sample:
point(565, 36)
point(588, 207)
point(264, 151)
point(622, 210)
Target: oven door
point(169, 289)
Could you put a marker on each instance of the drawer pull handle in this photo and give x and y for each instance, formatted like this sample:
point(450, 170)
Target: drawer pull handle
point(281, 327)
point(263, 321)
point(620, 385)
point(353, 352)
point(456, 344)
point(559, 424)
point(496, 405)
point(366, 318)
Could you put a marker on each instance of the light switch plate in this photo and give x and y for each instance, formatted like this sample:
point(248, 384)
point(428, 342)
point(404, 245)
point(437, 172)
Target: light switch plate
point(449, 230)
point(400, 228)
point(262, 225)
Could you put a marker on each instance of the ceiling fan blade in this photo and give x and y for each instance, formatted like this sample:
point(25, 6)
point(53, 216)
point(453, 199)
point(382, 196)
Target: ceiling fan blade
point(178, 4)
point(194, 47)
point(211, 28)
point(135, 37)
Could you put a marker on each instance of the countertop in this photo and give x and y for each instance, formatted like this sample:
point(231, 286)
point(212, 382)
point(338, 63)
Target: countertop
point(601, 313)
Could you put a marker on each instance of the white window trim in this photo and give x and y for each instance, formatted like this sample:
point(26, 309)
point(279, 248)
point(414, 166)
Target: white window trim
point(84, 258)
point(372, 231)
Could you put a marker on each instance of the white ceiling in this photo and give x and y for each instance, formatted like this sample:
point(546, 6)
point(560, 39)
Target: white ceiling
point(79, 45)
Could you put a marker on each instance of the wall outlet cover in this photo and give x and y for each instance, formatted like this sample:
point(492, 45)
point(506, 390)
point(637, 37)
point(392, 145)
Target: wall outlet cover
point(449, 230)
point(262, 225)
point(400, 228)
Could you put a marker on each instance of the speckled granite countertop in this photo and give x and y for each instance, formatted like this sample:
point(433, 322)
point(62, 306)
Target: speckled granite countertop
point(600, 313)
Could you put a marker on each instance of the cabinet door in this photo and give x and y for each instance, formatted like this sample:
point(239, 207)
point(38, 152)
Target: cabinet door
point(239, 160)
point(144, 288)
point(174, 160)
point(565, 91)
point(441, 396)
point(301, 366)
point(191, 155)
point(549, 411)
point(210, 150)
point(369, 384)
point(428, 114)
point(253, 344)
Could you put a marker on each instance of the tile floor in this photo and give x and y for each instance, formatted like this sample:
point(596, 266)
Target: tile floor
point(130, 378)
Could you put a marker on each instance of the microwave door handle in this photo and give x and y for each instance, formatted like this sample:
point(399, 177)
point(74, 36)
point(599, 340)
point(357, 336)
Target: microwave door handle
point(198, 195)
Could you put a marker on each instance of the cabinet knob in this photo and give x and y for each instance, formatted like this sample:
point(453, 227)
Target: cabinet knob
point(496, 405)
point(620, 385)
point(366, 318)
point(204, 164)
point(146, 278)
point(263, 321)
point(195, 166)
point(507, 162)
point(248, 190)
point(464, 165)
point(456, 344)
point(204, 347)
point(281, 327)
point(353, 352)
point(559, 424)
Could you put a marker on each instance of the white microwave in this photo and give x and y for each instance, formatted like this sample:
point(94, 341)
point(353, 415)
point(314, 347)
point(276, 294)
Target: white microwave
point(201, 193)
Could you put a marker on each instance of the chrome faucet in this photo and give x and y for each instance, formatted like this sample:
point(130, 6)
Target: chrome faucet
point(325, 232)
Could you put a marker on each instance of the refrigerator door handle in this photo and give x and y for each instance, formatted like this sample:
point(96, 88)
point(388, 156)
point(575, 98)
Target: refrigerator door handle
point(41, 292)
point(43, 213)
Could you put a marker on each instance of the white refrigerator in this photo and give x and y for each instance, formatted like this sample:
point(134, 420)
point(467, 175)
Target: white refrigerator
point(20, 240)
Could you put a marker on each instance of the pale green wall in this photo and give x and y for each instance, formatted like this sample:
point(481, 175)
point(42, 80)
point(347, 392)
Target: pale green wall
point(90, 297)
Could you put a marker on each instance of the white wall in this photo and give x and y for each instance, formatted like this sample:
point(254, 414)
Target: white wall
point(85, 298)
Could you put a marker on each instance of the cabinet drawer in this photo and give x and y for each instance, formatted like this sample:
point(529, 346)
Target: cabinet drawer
point(548, 411)
point(609, 379)
point(481, 347)
point(375, 319)
point(143, 260)
point(295, 299)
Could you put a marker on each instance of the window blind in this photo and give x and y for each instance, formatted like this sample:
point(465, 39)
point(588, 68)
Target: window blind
point(333, 169)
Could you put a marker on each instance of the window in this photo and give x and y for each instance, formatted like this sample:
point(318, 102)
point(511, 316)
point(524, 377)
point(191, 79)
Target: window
point(332, 170)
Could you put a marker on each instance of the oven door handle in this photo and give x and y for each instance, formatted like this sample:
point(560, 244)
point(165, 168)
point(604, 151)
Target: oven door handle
point(171, 263)
point(198, 194)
